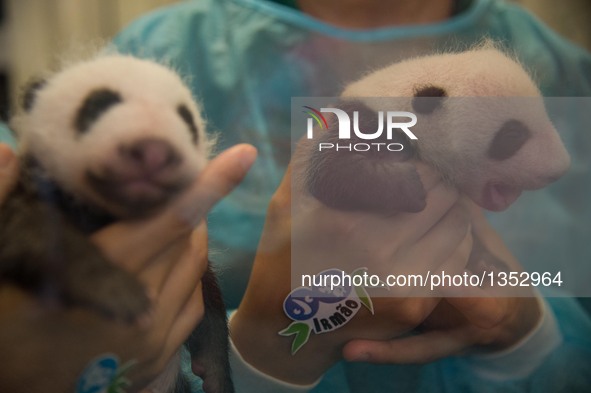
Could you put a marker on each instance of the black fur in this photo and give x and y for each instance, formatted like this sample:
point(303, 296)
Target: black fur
point(43, 250)
point(95, 104)
point(30, 93)
point(427, 99)
point(187, 117)
point(364, 181)
point(208, 344)
point(508, 140)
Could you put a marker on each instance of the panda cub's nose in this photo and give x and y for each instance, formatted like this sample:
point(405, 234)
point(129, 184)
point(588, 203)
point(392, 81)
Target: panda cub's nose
point(150, 155)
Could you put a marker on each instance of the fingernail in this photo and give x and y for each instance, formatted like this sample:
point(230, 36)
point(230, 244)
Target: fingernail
point(6, 156)
point(361, 357)
point(248, 155)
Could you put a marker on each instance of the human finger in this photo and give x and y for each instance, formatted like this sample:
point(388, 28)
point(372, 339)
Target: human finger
point(478, 306)
point(282, 196)
point(168, 336)
point(389, 237)
point(182, 281)
point(422, 348)
point(457, 262)
point(220, 177)
point(8, 170)
point(438, 244)
point(185, 322)
point(435, 264)
point(440, 198)
point(155, 274)
point(408, 227)
point(140, 241)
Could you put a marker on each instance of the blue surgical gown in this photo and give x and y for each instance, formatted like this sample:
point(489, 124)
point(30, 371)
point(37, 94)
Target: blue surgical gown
point(246, 59)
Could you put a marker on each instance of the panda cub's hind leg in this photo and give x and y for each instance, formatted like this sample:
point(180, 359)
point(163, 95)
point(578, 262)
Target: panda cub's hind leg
point(209, 342)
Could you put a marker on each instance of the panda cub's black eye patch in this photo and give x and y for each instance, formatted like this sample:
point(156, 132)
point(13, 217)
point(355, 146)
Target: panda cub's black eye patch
point(428, 98)
point(187, 117)
point(95, 105)
point(30, 93)
point(508, 140)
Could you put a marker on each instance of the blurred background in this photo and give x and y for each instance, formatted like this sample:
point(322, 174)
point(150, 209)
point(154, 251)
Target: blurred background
point(34, 34)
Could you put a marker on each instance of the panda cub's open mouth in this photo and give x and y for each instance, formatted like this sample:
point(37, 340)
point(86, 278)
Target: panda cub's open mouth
point(138, 196)
point(498, 196)
point(143, 176)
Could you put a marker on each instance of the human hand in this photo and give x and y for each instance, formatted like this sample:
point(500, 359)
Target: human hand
point(471, 319)
point(8, 171)
point(437, 238)
point(48, 347)
point(167, 256)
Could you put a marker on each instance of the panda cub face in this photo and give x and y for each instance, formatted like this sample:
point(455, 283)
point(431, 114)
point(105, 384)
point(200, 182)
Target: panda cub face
point(116, 131)
point(482, 123)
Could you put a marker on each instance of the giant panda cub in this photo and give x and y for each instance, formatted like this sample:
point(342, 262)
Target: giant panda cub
point(111, 138)
point(475, 128)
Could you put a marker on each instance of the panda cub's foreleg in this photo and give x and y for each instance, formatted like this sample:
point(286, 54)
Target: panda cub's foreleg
point(42, 253)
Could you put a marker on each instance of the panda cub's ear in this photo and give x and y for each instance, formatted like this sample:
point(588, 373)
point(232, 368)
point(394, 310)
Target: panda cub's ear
point(30, 93)
point(428, 98)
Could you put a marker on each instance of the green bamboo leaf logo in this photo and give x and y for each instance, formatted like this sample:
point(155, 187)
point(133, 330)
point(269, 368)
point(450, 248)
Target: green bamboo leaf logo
point(365, 299)
point(120, 381)
point(302, 332)
point(361, 292)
